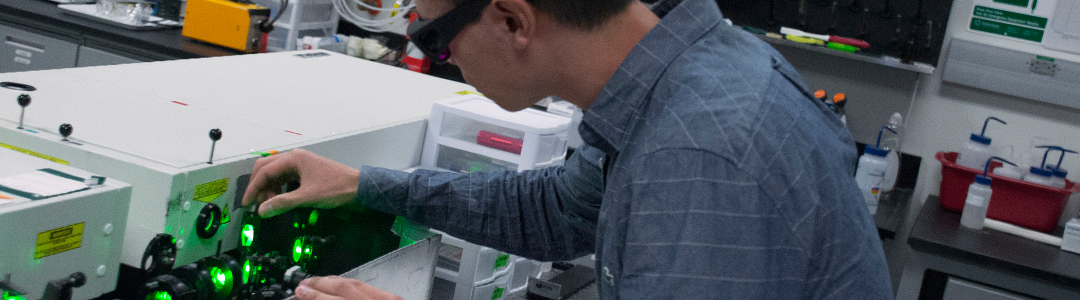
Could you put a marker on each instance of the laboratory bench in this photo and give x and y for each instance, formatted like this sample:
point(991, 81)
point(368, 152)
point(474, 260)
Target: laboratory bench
point(892, 210)
point(952, 262)
point(39, 35)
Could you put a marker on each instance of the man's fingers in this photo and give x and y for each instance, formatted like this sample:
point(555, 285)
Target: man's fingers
point(281, 203)
point(333, 285)
point(269, 177)
point(254, 183)
point(307, 293)
point(346, 288)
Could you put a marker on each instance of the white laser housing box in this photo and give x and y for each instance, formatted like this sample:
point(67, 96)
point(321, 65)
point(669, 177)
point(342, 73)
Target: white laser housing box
point(53, 237)
point(148, 123)
point(471, 133)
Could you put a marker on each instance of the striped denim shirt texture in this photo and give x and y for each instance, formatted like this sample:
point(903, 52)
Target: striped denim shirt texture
point(710, 172)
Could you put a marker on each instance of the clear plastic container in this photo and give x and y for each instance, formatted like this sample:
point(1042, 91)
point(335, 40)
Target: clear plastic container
point(896, 123)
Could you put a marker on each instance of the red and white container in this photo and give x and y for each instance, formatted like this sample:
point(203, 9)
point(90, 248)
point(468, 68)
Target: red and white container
point(1014, 201)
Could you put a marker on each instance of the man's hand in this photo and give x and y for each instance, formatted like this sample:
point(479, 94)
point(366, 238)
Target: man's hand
point(323, 183)
point(338, 288)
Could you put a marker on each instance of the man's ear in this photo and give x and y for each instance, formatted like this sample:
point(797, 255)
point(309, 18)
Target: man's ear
point(517, 18)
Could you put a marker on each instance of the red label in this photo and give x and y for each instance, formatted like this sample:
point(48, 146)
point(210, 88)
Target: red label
point(416, 64)
point(504, 143)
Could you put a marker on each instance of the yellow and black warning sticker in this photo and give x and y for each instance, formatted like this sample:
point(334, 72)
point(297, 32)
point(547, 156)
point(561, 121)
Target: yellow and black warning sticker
point(209, 191)
point(58, 240)
point(35, 154)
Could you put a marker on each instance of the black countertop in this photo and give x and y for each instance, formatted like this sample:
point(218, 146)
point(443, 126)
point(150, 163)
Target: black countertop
point(892, 210)
point(43, 17)
point(938, 231)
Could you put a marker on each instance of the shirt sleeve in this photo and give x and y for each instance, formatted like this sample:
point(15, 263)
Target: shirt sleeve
point(547, 214)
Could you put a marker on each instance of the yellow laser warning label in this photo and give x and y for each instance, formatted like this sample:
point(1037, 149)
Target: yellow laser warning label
point(35, 154)
point(209, 191)
point(58, 240)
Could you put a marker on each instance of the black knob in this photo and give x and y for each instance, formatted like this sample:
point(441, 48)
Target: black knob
point(206, 225)
point(65, 130)
point(78, 279)
point(61, 289)
point(24, 100)
point(215, 134)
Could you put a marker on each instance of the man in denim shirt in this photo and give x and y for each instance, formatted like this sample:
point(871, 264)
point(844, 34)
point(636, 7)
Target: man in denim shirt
point(720, 176)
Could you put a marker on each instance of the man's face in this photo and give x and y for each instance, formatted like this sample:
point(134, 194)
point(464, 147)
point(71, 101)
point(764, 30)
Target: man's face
point(485, 54)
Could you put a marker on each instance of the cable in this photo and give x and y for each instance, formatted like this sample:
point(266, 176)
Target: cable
point(350, 11)
point(284, 6)
point(268, 25)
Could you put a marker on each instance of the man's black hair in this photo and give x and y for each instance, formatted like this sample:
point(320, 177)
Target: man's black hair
point(583, 14)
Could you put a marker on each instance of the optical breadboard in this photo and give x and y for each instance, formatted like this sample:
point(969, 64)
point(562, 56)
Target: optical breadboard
point(50, 237)
point(149, 124)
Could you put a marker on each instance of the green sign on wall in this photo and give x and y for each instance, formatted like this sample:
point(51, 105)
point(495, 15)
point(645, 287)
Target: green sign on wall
point(1007, 23)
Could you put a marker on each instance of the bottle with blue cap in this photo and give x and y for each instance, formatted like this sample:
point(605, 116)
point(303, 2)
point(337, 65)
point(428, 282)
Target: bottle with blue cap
point(871, 171)
point(976, 151)
point(1043, 175)
point(1058, 178)
point(978, 198)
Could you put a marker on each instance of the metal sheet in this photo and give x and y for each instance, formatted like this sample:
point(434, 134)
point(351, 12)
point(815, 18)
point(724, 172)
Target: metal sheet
point(406, 272)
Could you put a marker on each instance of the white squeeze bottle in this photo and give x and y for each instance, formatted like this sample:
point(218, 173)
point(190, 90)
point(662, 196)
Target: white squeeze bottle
point(1042, 175)
point(892, 144)
point(871, 171)
point(978, 198)
point(1059, 174)
point(976, 150)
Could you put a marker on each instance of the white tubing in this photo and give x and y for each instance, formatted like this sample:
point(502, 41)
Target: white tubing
point(1023, 232)
point(348, 10)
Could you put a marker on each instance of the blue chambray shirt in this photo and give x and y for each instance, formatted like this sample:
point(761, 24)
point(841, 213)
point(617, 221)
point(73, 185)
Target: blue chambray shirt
point(720, 178)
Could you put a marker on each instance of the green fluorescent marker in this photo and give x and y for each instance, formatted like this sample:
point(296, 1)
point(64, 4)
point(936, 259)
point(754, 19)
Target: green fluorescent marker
point(842, 47)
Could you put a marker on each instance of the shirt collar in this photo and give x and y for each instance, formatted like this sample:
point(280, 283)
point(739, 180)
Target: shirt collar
point(606, 123)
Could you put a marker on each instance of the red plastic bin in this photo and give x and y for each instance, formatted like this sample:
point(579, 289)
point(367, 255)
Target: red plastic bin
point(1013, 201)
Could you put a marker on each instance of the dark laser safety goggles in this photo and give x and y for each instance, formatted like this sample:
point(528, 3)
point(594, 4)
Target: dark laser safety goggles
point(433, 37)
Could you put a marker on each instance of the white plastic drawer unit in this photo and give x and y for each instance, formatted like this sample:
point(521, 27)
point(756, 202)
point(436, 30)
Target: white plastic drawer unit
point(148, 123)
point(25, 51)
point(471, 133)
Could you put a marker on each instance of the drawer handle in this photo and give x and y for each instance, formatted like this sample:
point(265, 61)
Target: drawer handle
point(17, 42)
point(17, 86)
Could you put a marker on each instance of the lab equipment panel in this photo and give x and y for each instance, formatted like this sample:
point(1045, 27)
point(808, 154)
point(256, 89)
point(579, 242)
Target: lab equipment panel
point(1011, 72)
point(47, 237)
point(151, 124)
